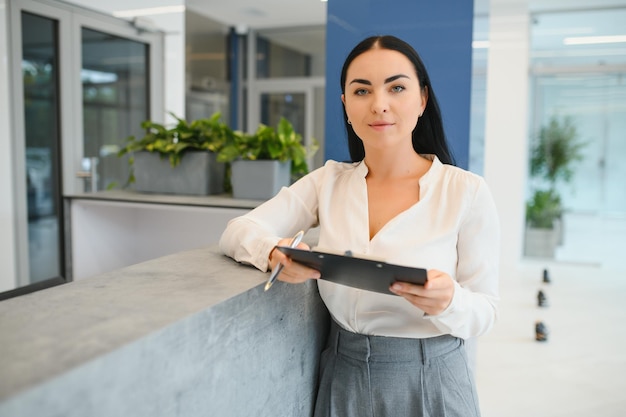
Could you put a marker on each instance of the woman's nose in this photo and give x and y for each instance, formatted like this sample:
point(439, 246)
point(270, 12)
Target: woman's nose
point(379, 103)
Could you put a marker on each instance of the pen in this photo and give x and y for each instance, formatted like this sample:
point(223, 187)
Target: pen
point(294, 242)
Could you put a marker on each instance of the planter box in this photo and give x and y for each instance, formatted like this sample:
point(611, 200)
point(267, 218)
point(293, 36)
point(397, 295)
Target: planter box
point(198, 173)
point(541, 243)
point(259, 180)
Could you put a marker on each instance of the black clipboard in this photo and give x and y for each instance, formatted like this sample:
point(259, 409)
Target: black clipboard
point(366, 274)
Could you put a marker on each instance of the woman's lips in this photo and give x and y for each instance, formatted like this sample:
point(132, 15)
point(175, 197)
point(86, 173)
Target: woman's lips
point(380, 125)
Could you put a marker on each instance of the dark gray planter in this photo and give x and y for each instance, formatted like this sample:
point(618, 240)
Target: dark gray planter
point(198, 173)
point(259, 180)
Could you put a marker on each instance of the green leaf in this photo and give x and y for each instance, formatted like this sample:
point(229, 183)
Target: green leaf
point(553, 155)
point(211, 134)
point(543, 209)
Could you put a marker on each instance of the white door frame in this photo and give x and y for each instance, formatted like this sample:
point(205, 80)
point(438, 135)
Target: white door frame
point(123, 29)
point(65, 61)
point(70, 21)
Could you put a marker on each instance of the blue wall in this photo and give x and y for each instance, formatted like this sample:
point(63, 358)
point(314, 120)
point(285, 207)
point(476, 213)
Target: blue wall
point(441, 31)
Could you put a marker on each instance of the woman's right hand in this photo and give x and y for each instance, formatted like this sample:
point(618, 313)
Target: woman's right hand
point(293, 272)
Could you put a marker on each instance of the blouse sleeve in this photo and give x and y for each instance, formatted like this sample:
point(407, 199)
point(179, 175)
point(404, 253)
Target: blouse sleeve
point(473, 309)
point(250, 238)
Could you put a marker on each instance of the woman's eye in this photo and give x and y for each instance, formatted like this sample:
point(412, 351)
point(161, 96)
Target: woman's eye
point(360, 92)
point(397, 88)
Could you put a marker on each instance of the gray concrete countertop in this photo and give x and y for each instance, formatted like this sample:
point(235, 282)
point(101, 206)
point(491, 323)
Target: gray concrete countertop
point(49, 332)
point(222, 200)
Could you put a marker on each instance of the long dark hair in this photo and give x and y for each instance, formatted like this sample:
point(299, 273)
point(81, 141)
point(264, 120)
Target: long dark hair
point(428, 136)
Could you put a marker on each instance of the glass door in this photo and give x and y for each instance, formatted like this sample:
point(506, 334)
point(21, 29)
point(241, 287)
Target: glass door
point(115, 97)
point(595, 103)
point(285, 78)
point(119, 84)
point(291, 106)
point(38, 63)
point(40, 78)
point(297, 100)
point(83, 82)
point(595, 197)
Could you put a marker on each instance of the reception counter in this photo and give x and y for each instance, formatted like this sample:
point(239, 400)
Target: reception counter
point(189, 334)
point(109, 230)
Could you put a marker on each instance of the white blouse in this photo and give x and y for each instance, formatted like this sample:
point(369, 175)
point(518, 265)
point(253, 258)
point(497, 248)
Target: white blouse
point(453, 228)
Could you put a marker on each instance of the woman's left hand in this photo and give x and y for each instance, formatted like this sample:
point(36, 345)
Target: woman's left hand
point(433, 297)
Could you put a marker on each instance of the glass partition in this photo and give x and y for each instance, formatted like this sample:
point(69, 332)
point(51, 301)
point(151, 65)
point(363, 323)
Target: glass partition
point(206, 70)
point(115, 78)
point(578, 72)
point(291, 52)
point(291, 106)
point(480, 41)
point(286, 82)
point(40, 66)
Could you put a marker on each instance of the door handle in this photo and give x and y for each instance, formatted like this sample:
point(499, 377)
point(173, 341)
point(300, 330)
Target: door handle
point(89, 173)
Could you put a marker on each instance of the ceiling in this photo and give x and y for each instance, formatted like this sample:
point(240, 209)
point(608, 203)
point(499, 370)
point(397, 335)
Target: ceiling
point(553, 20)
point(278, 19)
point(260, 14)
point(263, 14)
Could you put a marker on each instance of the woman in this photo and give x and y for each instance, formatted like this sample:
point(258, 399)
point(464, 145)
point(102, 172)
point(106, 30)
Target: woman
point(401, 199)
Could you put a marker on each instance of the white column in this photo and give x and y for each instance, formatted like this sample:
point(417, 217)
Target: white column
point(7, 231)
point(506, 136)
point(173, 24)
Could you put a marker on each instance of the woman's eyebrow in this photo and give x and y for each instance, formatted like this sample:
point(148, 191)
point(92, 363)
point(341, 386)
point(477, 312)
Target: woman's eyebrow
point(360, 81)
point(387, 80)
point(395, 77)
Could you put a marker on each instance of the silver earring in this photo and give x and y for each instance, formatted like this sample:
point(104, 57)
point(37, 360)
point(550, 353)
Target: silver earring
point(349, 122)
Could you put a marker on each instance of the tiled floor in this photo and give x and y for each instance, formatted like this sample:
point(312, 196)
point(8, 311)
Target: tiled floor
point(581, 369)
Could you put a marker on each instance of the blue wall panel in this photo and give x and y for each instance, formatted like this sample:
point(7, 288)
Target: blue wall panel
point(441, 31)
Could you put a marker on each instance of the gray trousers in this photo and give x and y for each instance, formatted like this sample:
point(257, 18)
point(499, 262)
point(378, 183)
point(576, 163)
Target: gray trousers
point(376, 376)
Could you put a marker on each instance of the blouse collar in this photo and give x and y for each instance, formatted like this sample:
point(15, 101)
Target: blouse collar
point(362, 169)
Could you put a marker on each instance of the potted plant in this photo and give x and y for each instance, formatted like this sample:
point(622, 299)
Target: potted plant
point(552, 159)
point(265, 161)
point(181, 159)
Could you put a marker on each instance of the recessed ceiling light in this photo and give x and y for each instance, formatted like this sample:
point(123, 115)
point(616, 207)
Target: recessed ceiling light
point(150, 11)
point(590, 40)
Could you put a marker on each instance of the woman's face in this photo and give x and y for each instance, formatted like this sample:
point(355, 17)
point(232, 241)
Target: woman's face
point(383, 98)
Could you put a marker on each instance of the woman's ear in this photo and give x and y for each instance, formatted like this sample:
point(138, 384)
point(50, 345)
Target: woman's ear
point(343, 99)
point(424, 98)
